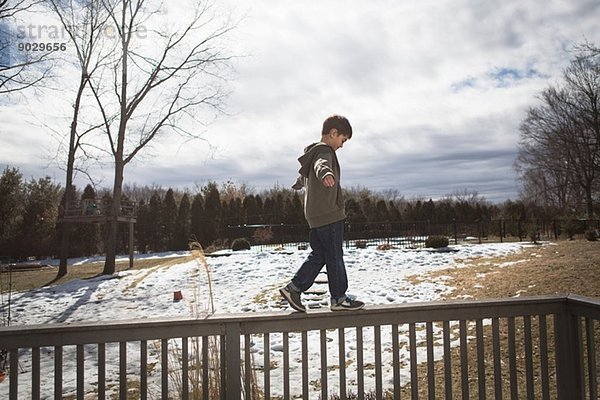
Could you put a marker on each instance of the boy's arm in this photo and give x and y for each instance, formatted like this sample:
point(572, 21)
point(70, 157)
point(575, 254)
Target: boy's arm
point(323, 170)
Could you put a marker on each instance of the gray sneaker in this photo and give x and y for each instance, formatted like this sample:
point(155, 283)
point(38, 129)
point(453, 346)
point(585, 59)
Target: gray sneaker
point(349, 304)
point(293, 298)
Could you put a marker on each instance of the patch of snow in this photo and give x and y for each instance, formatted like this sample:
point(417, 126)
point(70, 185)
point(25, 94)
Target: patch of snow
point(243, 281)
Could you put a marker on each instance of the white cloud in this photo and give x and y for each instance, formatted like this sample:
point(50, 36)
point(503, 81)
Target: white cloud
point(435, 91)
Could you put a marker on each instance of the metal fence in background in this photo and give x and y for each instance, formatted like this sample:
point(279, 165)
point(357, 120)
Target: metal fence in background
point(413, 234)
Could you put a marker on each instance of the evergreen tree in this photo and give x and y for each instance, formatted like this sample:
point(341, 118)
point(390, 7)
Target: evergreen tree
point(183, 225)
point(288, 211)
point(269, 208)
point(297, 211)
point(155, 229)
point(278, 209)
point(381, 212)
point(197, 218)
point(226, 213)
point(260, 210)
point(418, 214)
point(250, 209)
point(235, 212)
point(465, 212)
point(142, 226)
point(169, 220)
point(368, 209)
point(408, 213)
point(444, 211)
point(212, 209)
point(428, 210)
point(393, 212)
point(38, 232)
point(354, 214)
point(12, 204)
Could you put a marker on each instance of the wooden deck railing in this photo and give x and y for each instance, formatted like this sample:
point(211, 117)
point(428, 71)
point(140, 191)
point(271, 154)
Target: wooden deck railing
point(534, 348)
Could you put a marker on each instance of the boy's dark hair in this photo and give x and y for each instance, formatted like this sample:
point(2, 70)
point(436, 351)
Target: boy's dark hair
point(337, 122)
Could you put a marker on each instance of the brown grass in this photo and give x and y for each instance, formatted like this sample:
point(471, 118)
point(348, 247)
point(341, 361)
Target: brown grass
point(558, 268)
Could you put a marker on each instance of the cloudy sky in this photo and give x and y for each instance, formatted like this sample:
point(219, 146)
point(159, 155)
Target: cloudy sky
point(435, 91)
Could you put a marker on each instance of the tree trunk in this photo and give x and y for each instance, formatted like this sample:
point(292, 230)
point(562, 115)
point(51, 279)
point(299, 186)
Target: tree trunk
point(65, 232)
point(589, 202)
point(112, 221)
point(64, 249)
point(111, 242)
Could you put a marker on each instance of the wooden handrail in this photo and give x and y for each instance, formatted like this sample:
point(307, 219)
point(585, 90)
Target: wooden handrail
point(455, 323)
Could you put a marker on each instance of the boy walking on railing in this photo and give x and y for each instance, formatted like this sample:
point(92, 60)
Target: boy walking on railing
point(325, 213)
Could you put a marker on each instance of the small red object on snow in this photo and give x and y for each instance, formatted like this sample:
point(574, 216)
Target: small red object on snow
point(177, 295)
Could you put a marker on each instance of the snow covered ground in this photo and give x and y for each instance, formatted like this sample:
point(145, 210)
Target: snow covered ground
point(244, 281)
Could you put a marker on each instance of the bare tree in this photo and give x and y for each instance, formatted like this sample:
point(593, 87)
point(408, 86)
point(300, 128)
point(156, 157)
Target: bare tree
point(560, 139)
point(588, 49)
point(546, 175)
point(20, 68)
point(84, 22)
point(161, 80)
point(466, 196)
point(550, 185)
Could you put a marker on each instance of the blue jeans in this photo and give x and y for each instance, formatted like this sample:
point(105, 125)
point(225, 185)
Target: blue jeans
point(326, 243)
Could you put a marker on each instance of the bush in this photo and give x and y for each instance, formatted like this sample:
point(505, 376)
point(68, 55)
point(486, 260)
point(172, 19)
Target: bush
point(263, 235)
point(437, 241)
point(591, 235)
point(219, 244)
point(361, 244)
point(240, 244)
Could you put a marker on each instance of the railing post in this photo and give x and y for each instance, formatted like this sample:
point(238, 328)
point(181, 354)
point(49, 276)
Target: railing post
point(232, 361)
point(14, 377)
point(568, 362)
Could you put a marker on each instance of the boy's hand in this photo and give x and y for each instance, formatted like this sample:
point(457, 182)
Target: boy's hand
point(329, 181)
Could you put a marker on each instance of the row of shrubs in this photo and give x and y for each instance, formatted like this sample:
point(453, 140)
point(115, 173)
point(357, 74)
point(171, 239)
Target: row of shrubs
point(434, 241)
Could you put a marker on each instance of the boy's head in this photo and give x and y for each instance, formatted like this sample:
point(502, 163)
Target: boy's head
point(338, 123)
point(336, 131)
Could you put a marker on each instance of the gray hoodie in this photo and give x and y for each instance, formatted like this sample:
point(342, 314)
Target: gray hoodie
point(322, 205)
